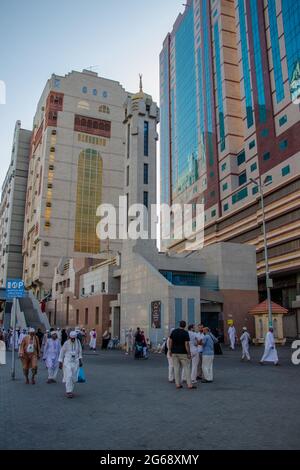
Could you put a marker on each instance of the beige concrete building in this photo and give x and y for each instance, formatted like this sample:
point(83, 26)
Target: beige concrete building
point(12, 207)
point(76, 163)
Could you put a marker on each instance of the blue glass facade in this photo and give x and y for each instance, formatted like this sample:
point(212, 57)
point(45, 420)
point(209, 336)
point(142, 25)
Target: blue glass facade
point(245, 62)
point(202, 157)
point(146, 138)
point(165, 126)
point(219, 87)
point(207, 80)
point(184, 128)
point(291, 24)
point(258, 62)
point(275, 51)
point(191, 311)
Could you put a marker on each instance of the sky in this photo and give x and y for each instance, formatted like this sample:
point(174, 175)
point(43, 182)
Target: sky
point(121, 38)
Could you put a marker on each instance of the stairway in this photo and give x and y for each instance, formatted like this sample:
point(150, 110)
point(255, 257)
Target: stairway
point(33, 316)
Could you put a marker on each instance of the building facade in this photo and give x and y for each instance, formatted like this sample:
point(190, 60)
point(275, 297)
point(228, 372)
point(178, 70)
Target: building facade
point(140, 287)
point(12, 208)
point(229, 83)
point(76, 164)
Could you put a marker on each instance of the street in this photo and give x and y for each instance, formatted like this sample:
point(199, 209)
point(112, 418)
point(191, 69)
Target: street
point(129, 405)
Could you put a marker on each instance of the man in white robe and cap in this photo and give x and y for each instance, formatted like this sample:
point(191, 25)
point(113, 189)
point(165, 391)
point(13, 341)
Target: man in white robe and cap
point(232, 336)
point(93, 339)
point(270, 354)
point(245, 341)
point(70, 359)
point(51, 355)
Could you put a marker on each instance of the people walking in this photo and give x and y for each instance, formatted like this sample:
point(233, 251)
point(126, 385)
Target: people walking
point(40, 336)
point(2, 349)
point(64, 337)
point(232, 336)
point(171, 376)
point(51, 355)
point(200, 336)
point(245, 341)
point(129, 341)
point(106, 337)
point(270, 353)
point(194, 353)
point(181, 355)
point(93, 340)
point(207, 357)
point(70, 359)
point(29, 354)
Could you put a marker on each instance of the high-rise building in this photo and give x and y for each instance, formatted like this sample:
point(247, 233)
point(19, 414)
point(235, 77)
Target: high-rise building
point(12, 207)
point(229, 74)
point(76, 164)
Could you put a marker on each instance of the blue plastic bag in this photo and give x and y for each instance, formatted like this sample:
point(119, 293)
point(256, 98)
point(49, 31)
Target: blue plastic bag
point(81, 376)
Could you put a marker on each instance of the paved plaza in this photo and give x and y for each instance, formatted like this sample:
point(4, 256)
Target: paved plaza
point(128, 404)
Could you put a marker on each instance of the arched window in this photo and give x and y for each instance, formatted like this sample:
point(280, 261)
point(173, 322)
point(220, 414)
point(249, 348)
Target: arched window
point(261, 328)
point(89, 197)
point(90, 123)
point(95, 125)
point(275, 326)
point(95, 92)
point(77, 121)
point(83, 123)
point(84, 90)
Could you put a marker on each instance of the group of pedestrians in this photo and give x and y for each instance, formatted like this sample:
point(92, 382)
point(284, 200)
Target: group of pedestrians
point(191, 352)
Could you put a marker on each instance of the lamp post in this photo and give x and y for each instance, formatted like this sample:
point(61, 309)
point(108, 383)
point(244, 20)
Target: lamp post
point(269, 282)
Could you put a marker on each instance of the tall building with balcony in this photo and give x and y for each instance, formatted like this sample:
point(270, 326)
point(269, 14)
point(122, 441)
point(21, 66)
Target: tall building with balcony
point(76, 164)
point(229, 85)
point(12, 207)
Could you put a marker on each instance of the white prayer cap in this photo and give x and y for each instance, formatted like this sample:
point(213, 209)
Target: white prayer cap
point(245, 328)
point(53, 333)
point(73, 334)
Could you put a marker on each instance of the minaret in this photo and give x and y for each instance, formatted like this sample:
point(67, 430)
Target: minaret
point(141, 119)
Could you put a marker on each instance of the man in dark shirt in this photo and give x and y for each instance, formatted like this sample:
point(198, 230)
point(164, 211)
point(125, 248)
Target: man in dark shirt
point(180, 352)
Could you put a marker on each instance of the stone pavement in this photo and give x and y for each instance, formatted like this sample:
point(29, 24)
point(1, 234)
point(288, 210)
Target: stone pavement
point(128, 404)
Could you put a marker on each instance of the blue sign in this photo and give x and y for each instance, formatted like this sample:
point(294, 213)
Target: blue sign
point(15, 289)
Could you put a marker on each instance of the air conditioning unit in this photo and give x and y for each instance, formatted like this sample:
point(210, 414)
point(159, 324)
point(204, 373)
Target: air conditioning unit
point(51, 167)
point(47, 224)
point(52, 149)
point(50, 185)
point(48, 204)
point(53, 132)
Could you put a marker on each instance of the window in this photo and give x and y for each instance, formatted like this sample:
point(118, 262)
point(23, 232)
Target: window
point(264, 133)
point(211, 174)
point(95, 92)
point(253, 167)
point(286, 170)
point(103, 287)
point(191, 311)
point(266, 156)
point(146, 173)
point(84, 90)
point(86, 316)
point(223, 168)
point(56, 83)
point(77, 317)
point(213, 213)
point(178, 312)
point(92, 289)
point(146, 199)
point(283, 120)
point(241, 158)
point(283, 145)
point(212, 194)
point(97, 316)
point(105, 94)
point(252, 144)
point(226, 207)
point(240, 195)
point(242, 178)
point(127, 176)
point(274, 36)
point(268, 179)
point(146, 139)
point(255, 190)
point(128, 141)
point(68, 311)
point(225, 186)
point(83, 291)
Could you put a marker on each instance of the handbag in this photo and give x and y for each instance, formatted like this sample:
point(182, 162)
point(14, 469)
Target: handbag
point(81, 376)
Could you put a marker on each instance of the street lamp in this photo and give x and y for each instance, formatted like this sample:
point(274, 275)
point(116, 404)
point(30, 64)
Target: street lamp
point(269, 282)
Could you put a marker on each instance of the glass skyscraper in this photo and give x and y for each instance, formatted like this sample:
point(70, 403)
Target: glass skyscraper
point(230, 94)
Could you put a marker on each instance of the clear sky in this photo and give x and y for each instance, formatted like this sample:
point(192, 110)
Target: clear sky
point(39, 37)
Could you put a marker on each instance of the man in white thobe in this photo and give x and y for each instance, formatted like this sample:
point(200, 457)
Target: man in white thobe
point(129, 341)
point(70, 359)
point(194, 353)
point(270, 354)
point(51, 355)
point(232, 336)
point(93, 339)
point(245, 341)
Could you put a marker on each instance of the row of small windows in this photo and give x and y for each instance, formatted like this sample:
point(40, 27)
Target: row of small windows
point(243, 193)
point(88, 139)
point(85, 90)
